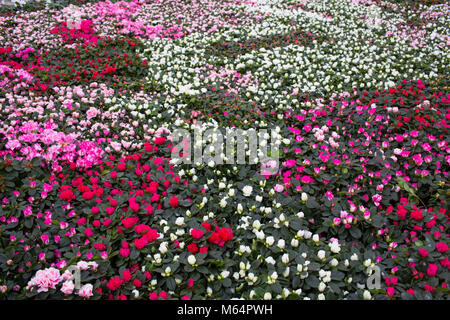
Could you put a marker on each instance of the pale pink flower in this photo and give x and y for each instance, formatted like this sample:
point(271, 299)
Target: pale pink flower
point(278, 188)
point(45, 279)
point(67, 275)
point(45, 238)
point(93, 265)
point(67, 287)
point(92, 113)
point(83, 265)
point(86, 291)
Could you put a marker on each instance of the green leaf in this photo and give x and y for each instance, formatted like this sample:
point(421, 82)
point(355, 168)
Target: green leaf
point(377, 221)
point(28, 223)
point(312, 203)
point(407, 296)
point(171, 284)
point(337, 275)
point(134, 254)
point(312, 281)
point(405, 186)
point(355, 232)
point(226, 282)
point(276, 287)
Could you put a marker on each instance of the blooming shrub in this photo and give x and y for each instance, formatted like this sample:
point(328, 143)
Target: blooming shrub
point(356, 96)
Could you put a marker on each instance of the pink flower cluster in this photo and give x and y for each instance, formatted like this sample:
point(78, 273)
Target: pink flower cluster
point(31, 139)
point(45, 279)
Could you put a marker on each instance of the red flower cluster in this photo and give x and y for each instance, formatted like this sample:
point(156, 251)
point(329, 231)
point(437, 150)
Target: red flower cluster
point(194, 248)
point(197, 233)
point(221, 235)
point(114, 283)
point(66, 193)
point(174, 201)
point(129, 222)
point(154, 296)
point(416, 214)
point(86, 32)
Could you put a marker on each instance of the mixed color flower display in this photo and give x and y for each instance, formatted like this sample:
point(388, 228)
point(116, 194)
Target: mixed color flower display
point(354, 94)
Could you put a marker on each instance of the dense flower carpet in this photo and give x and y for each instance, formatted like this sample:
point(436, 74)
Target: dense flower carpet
point(349, 99)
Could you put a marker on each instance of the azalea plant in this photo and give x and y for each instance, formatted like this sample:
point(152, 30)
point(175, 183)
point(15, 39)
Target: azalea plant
point(96, 202)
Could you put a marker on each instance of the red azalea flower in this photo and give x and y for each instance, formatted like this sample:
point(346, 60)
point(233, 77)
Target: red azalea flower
point(390, 291)
point(442, 247)
point(141, 228)
point(155, 197)
point(96, 223)
point(148, 147)
point(174, 201)
point(88, 195)
point(192, 248)
point(114, 283)
point(153, 296)
point(163, 295)
point(151, 235)
point(126, 275)
point(196, 233)
point(67, 195)
point(100, 246)
point(160, 140)
point(88, 232)
point(124, 252)
point(137, 283)
point(129, 222)
point(432, 269)
point(428, 288)
point(206, 225)
point(166, 184)
point(149, 210)
point(401, 212)
point(95, 210)
point(140, 243)
point(134, 206)
point(152, 187)
point(98, 192)
point(226, 234)
point(423, 253)
point(417, 215)
point(430, 223)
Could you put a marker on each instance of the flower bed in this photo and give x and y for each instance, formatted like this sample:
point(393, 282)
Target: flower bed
point(95, 203)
